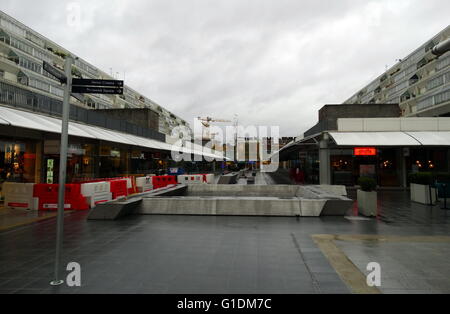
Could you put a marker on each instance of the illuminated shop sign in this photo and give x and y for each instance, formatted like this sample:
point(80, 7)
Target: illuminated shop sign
point(364, 151)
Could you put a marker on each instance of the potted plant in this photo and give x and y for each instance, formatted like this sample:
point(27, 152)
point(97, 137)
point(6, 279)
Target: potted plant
point(367, 196)
point(421, 190)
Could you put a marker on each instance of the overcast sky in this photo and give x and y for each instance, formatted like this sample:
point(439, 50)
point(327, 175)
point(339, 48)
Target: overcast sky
point(272, 62)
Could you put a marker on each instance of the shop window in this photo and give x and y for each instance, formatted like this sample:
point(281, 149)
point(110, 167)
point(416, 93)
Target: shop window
point(17, 161)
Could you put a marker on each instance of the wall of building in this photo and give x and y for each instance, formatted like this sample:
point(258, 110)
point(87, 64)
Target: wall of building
point(143, 117)
point(329, 114)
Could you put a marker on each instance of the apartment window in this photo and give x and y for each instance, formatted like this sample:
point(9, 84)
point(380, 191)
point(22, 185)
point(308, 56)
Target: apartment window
point(35, 39)
point(2, 74)
point(427, 102)
point(22, 78)
point(438, 81)
point(399, 76)
point(4, 37)
point(39, 85)
point(21, 46)
point(56, 91)
point(30, 65)
point(40, 55)
point(442, 97)
point(443, 63)
point(12, 27)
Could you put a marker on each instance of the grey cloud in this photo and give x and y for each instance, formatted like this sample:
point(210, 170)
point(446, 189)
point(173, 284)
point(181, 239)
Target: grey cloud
point(271, 62)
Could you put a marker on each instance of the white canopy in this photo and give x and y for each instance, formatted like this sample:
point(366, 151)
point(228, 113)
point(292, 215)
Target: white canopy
point(31, 120)
point(374, 139)
point(441, 138)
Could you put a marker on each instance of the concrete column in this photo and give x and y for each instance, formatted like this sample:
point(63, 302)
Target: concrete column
point(402, 166)
point(38, 163)
point(448, 160)
point(324, 158)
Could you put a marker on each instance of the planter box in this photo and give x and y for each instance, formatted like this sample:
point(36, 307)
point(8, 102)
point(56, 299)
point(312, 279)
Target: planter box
point(367, 203)
point(421, 194)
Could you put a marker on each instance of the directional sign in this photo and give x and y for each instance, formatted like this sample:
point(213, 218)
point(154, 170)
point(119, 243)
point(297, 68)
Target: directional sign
point(55, 72)
point(96, 90)
point(94, 82)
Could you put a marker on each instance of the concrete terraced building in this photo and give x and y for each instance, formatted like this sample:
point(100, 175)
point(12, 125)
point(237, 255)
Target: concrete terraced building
point(22, 52)
point(419, 83)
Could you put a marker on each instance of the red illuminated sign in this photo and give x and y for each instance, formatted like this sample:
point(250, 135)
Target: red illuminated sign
point(364, 151)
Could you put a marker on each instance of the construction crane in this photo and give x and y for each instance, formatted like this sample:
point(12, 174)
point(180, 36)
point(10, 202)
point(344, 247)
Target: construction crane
point(207, 123)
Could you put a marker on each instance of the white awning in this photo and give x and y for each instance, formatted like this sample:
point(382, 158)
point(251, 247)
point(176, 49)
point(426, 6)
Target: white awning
point(374, 139)
point(31, 120)
point(3, 121)
point(436, 138)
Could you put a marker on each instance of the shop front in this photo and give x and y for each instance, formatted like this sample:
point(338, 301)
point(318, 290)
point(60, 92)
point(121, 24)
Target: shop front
point(340, 158)
point(380, 163)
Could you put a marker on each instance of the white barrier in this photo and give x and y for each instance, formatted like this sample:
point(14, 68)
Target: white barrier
point(196, 178)
point(210, 178)
point(129, 183)
point(96, 192)
point(189, 179)
point(19, 195)
point(144, 184)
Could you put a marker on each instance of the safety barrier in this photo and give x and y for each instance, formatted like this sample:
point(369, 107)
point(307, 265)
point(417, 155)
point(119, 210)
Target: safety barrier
point(81, 195)
point(144, 184)
point(118, 188)
point(48, 196)
point(19, 195)
point(96, 192)
point(163, 181)
point(196, 179)
point(190, 179)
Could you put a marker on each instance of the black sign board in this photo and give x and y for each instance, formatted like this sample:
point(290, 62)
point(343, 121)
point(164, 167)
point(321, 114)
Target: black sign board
point(94, 82)
point(60, 75)
point(96, 90)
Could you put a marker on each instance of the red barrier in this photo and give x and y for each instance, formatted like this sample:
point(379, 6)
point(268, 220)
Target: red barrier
point(163, 181)
point(118, 188)
point(157, 182)
point(48, 197)
point(133, 188)
point(172, 179)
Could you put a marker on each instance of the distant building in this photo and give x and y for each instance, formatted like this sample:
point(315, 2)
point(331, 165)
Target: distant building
point(419, 83)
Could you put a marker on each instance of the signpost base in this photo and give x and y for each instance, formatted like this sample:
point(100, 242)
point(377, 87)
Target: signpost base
point(56, 282)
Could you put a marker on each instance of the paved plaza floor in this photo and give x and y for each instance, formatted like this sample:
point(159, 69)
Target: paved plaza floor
point(214, 254)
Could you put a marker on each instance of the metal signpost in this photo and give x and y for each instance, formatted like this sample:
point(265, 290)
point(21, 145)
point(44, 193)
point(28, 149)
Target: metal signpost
point(73, 87)
point(61, 76)
point(62, 161)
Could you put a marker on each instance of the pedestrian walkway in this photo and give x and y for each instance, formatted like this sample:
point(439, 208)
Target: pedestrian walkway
point(220, 254)
point(12, 218)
